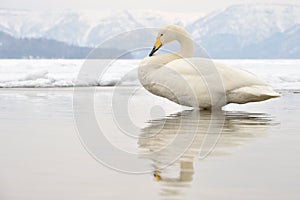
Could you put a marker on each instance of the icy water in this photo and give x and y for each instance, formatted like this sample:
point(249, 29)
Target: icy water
point(244, 152)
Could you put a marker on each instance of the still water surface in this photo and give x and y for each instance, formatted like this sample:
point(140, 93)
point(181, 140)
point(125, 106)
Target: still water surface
point(245, 152)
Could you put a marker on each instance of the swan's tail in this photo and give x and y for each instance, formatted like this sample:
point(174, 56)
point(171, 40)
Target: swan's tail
point(251, 94)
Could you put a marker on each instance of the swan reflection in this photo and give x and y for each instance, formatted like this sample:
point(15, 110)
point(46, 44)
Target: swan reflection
point(175, 142)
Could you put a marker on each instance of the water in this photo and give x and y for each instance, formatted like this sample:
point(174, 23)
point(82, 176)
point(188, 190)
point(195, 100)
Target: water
point(165, 151)
point(42, 156)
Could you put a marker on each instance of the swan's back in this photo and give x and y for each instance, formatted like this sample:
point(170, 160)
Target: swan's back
point(232, 78)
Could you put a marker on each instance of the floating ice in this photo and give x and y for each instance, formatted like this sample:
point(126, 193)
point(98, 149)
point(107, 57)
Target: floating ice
point(280, 74)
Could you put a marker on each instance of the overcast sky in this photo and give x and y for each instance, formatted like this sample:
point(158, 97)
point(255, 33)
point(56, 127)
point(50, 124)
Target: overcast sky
point(164, 5)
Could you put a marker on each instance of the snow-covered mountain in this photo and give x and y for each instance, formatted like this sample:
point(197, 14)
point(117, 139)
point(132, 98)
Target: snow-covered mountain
point(240, 31)
point(251, 23)
point(15, 48)
point(85, 28)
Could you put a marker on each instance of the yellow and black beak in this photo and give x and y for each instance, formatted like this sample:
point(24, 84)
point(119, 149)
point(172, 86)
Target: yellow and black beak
point(156, 175)
point(157, 45)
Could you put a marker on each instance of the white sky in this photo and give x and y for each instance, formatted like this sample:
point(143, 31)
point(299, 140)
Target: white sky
point(163, 5)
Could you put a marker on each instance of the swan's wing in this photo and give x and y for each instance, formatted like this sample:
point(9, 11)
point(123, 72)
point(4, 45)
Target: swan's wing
point(167, 83)
point(240, 86)
point(251, 94)
point(243, 86)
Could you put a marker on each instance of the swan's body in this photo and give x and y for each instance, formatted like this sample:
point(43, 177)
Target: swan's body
point(197, 82)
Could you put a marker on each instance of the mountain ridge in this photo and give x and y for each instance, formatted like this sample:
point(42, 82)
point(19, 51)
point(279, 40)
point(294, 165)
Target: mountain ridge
point(238, 31)
point(16, 48)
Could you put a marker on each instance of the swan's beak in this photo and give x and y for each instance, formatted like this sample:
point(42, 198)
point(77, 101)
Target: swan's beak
point(157, 45)
point(157, 176)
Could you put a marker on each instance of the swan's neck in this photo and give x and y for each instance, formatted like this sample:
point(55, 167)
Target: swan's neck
point(186, 51)
point(186, 47)
point(150, 64)
point(157, 61)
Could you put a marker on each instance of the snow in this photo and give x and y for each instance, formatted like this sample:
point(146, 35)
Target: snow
point(280, 74)
point(86, 27)
point(251, 23)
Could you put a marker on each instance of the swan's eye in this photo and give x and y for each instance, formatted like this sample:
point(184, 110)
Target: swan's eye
point(161, 35)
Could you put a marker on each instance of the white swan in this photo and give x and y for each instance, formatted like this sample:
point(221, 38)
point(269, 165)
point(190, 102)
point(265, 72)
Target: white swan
point(197, 82)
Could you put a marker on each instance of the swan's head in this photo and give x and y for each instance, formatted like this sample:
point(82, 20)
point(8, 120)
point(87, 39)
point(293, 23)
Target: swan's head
point(168, 34)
